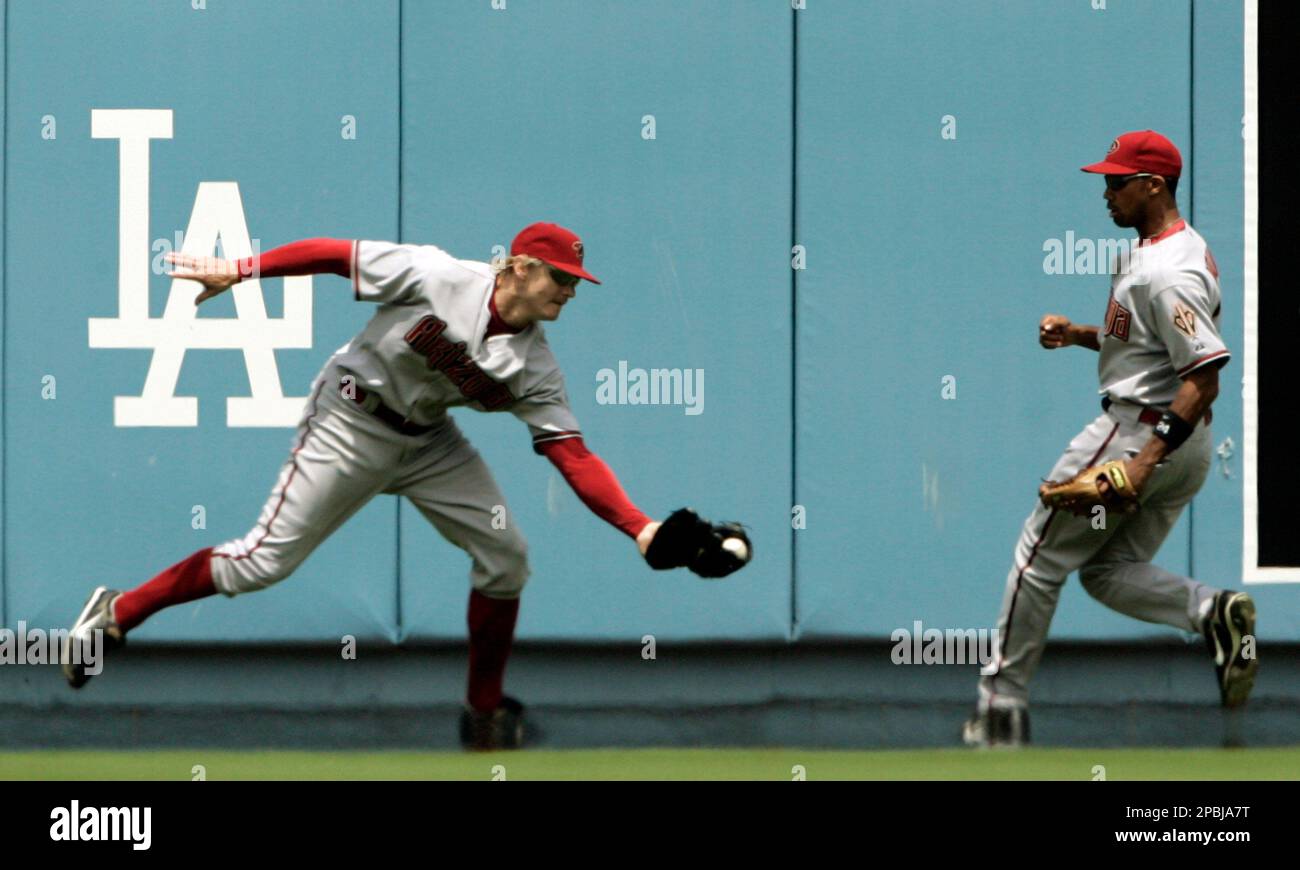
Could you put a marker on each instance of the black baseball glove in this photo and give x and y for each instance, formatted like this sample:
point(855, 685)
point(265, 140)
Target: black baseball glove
point(712, 550)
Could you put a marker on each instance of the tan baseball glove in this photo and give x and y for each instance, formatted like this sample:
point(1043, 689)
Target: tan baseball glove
point(1107, 485)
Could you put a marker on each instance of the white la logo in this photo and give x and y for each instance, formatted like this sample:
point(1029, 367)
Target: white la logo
point(218, 211)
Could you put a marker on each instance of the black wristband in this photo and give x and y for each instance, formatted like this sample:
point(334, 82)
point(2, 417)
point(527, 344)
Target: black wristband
point(1173, 430)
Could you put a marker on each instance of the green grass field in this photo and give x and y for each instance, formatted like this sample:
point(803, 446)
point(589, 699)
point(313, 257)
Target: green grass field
point(672, 764)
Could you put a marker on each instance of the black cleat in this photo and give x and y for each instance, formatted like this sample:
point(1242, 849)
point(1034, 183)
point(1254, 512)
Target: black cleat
point(97, 615)
point(503, 728)
point(1231, 621)
point(1005, 726)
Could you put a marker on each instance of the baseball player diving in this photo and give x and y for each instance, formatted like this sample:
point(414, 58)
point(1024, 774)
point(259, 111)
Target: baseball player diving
point(1121, 484)
point(445, 333)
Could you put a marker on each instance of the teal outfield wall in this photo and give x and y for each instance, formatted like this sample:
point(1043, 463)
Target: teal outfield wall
point(831, 128)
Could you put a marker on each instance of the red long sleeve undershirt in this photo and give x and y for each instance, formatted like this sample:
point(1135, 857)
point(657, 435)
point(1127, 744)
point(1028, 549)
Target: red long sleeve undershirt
point(595, 484)
point(307, 257)
point(588, 475)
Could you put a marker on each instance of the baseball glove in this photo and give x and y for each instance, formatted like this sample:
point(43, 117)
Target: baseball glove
point(685, 540)
point(1080, 494)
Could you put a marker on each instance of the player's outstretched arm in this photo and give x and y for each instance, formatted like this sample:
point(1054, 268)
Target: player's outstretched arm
point(306, 257)
point(595, 484)
point(1056, 331)
point(684, 540)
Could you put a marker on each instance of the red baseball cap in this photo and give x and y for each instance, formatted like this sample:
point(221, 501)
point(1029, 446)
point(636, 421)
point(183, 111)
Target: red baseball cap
point(554, 246)
point(1140, 151)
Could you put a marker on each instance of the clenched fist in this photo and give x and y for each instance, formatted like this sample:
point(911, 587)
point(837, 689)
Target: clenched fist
point(1054, 331)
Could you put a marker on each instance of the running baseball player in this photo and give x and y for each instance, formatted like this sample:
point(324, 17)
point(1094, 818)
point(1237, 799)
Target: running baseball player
point(1124, 480)
point(447, 332)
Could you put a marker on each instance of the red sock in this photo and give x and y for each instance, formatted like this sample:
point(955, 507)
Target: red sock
point(491, 632)
point(187, 580)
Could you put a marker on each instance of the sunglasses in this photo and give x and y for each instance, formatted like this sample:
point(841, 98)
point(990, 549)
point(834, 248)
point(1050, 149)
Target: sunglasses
point(1117, 182)
point(564, 279)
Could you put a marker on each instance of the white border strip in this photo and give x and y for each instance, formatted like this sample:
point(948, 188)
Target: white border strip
point(1251, 571)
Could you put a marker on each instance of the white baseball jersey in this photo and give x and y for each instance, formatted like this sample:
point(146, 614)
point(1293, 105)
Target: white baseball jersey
point(424, 350)
point(1162, 321)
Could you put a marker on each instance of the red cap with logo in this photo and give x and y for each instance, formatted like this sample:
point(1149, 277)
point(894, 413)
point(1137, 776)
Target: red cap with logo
point(553, 245)
point(1140, 151)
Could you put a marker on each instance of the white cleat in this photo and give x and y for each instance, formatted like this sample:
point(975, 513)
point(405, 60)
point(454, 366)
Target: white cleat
point(97, 615)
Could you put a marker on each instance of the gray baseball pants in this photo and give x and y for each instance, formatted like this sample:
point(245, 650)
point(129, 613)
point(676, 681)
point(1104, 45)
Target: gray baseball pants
point(1112, 552)
point(342, 457)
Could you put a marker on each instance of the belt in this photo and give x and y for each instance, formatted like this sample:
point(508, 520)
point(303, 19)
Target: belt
point(385, 414)
point(1149, 415)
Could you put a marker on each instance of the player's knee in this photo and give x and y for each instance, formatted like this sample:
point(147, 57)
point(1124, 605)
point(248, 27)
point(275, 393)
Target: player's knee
point(514, 569)
point(258, 571)
point(1095, 578)
point(504, 573)
point(276, 570)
